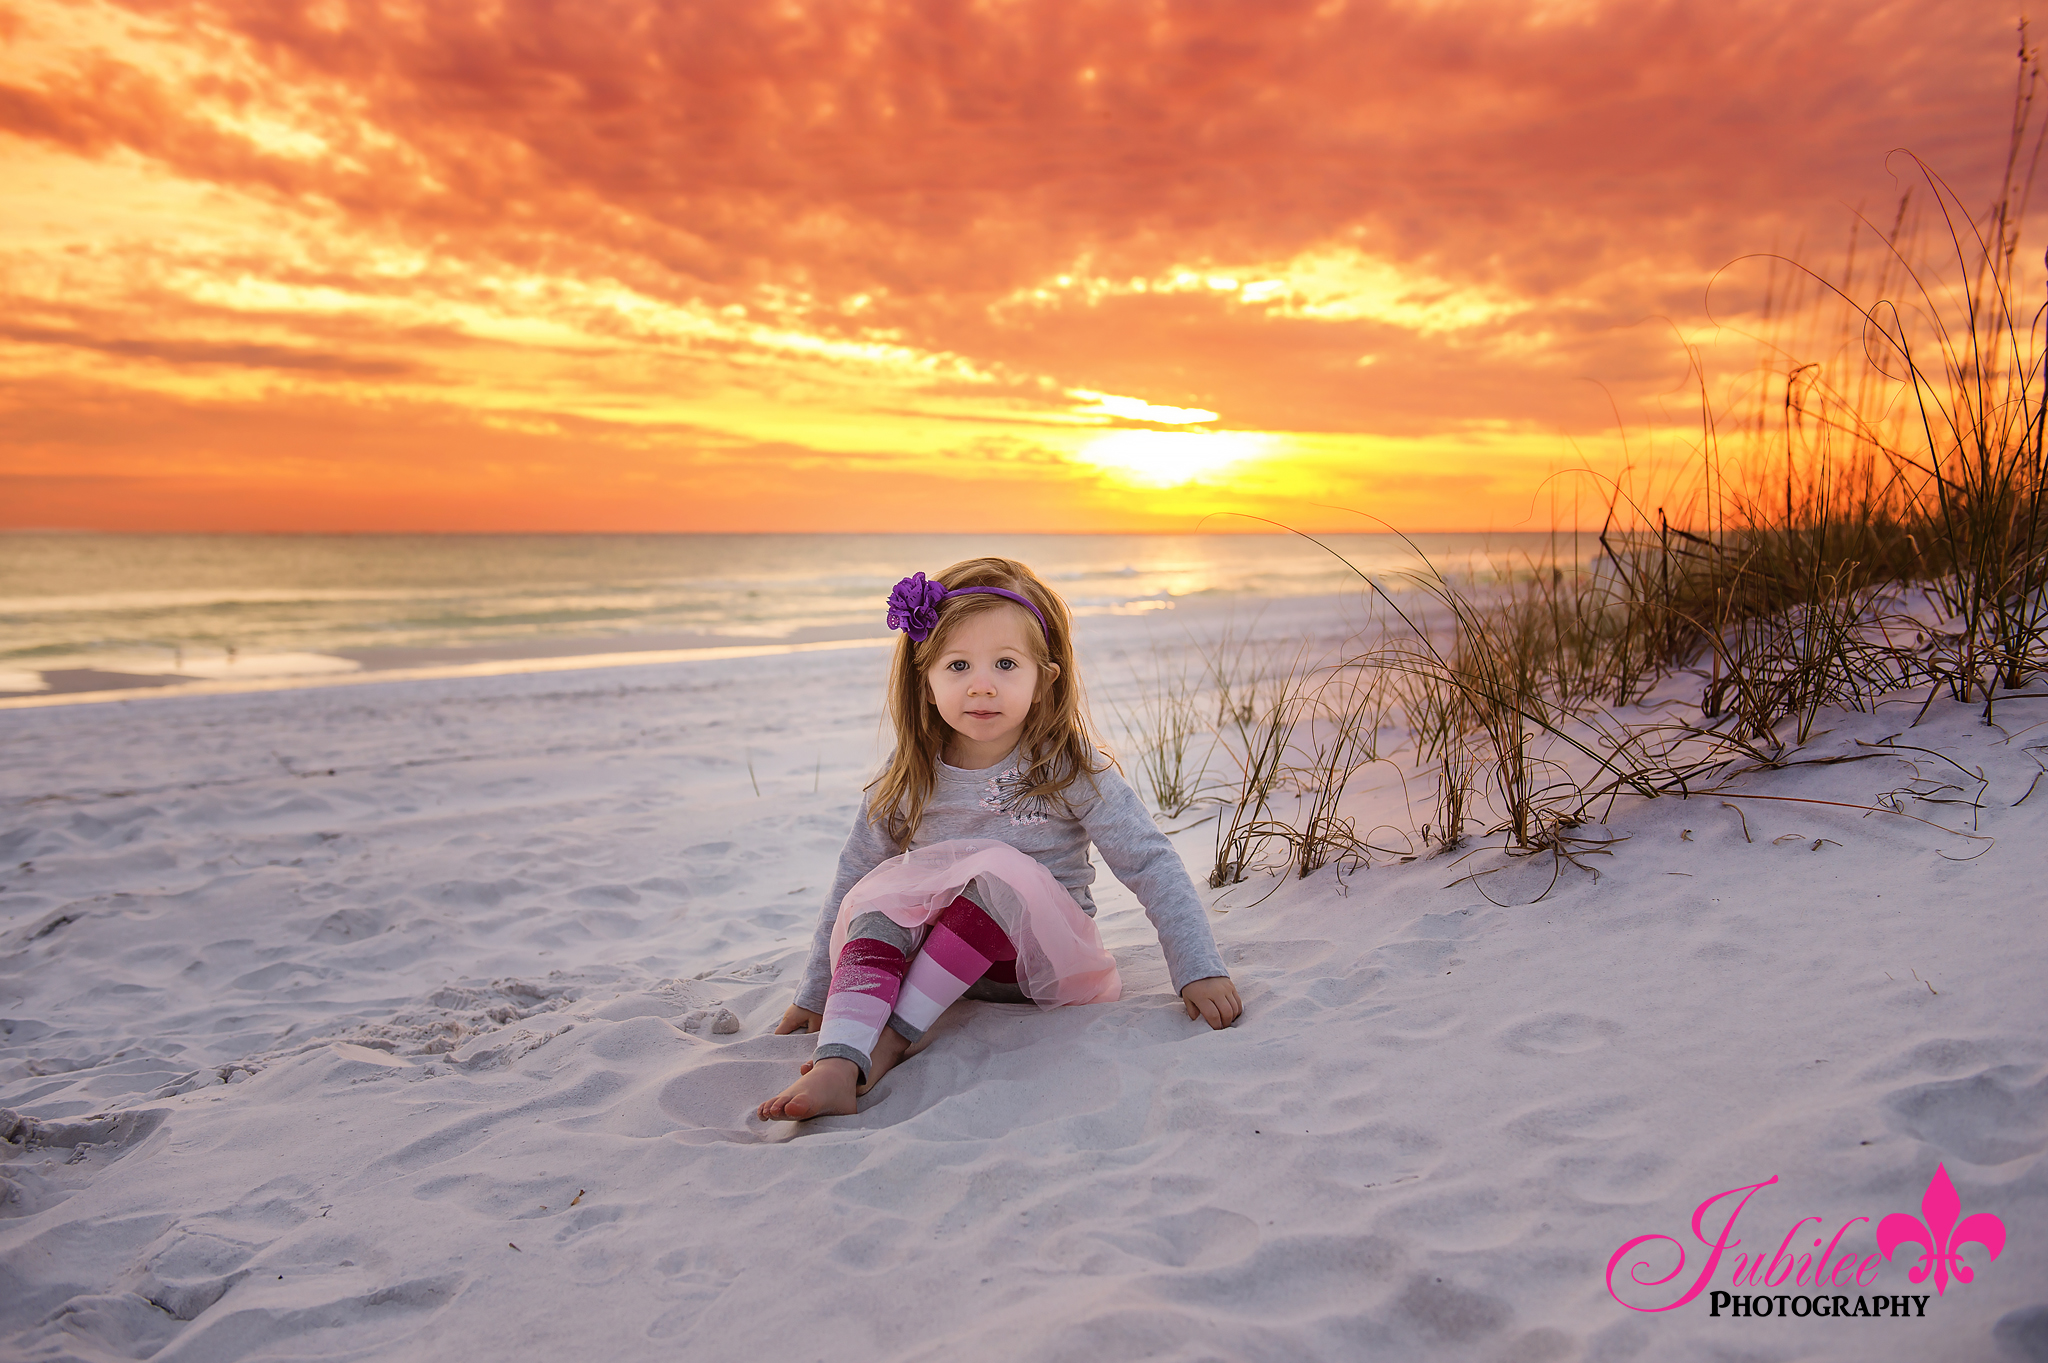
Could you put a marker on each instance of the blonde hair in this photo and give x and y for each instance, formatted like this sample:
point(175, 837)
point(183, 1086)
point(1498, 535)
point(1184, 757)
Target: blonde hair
point(1058, 745)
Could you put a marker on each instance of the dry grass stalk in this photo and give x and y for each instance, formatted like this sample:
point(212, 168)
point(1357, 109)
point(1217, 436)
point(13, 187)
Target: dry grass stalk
point(1899, 478)
point(1164, 723)
point(1256, 715)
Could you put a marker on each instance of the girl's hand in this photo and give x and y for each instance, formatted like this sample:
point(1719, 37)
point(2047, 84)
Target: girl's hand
point(1213, 1000)
point(795, 1019)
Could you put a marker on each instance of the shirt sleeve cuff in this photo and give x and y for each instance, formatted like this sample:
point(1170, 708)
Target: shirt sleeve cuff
point(1208, 967)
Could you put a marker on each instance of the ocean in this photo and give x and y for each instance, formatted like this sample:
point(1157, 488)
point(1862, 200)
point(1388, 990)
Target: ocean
point(82, 610)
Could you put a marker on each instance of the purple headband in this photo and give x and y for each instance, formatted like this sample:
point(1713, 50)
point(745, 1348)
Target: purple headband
point(914, 605)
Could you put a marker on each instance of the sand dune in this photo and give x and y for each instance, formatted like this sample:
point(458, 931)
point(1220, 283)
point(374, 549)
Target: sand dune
point(424, 1020)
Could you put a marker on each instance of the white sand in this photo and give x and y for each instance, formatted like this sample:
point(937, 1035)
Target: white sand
point(326, 999)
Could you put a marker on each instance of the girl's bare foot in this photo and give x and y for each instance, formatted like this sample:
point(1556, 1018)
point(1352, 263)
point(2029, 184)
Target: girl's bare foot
point(825, 1089)
point(831, 1094)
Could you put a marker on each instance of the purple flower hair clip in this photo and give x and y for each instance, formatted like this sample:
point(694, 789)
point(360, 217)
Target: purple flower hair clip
point(914, 605)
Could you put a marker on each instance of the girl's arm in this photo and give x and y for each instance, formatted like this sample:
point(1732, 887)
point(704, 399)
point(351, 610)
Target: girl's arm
point(1141, 857)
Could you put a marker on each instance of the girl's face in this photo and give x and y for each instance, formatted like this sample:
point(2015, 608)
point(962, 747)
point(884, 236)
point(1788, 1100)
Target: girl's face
point(985, 683)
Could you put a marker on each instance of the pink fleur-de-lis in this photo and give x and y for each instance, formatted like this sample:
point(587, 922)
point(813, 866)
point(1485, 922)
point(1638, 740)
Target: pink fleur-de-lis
point(1940, 1234)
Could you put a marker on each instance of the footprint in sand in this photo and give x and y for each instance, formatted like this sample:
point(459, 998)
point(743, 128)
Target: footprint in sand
point(187, 1271)
point(1577, 1119)
point(35, 1182)
point(1275, 956)
point(2023, 1334)
point(605, 896)
point(475, 894)
point(373, 1322)
point(348, 925)
point(692, 1278)
point(1417, 1025)
point(1991, 1117)
point(1560, 1034)
point(107, 1132)
point(716, 1100)
point(1942, 1055)
point(1447, 1313)
point(1206, 1237)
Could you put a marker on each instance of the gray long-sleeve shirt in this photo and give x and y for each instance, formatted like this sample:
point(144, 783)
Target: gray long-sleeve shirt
point(991, 804)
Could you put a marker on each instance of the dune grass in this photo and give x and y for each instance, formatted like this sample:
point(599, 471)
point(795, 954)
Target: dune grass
point(1874, 522)
point(1164, 723)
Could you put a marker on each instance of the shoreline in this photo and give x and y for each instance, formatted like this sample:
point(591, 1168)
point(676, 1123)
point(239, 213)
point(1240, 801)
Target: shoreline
point(362, 666)
point(150, 689)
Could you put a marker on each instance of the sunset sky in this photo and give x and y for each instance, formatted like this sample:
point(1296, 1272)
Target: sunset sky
point(881, 265)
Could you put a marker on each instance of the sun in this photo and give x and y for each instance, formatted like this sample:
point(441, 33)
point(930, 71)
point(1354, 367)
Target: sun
point(1159, 459)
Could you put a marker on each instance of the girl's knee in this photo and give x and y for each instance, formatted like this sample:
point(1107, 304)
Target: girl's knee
point(880, 927)
point(971, 924)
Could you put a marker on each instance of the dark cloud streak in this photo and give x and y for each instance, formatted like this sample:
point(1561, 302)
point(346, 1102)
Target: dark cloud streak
point(944, 147)
point(243, 354)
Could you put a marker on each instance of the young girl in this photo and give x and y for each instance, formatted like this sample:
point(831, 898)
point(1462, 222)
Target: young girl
point(967, 871)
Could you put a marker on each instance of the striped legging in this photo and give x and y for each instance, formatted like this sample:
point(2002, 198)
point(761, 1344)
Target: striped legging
point(884, 979)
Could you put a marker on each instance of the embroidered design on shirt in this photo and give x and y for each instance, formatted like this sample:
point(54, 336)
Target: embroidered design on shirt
point(1008, 793)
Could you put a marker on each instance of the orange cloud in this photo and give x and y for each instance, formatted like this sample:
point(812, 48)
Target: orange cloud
point(870, 264)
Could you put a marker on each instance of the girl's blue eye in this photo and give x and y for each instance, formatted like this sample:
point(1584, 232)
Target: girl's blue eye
point(1007, 664)
point(957, 665)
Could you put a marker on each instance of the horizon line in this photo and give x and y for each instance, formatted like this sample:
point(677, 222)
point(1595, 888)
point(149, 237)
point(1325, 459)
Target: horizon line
point(57, 530)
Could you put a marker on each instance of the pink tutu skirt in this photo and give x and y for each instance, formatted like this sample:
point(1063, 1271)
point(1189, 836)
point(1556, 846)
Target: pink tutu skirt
point(1060, 958)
